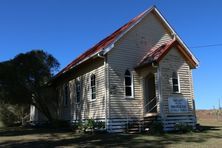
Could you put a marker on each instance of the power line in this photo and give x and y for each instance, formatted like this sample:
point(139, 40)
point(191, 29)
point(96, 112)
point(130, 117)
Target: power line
point(205, 46)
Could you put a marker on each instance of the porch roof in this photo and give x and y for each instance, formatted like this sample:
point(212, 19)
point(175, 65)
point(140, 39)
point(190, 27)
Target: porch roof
point(154, 55)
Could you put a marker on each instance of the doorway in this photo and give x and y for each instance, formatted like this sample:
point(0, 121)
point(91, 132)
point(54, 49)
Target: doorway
point(150, 99)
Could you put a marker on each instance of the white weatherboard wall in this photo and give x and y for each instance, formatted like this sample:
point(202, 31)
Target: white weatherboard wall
point(36, 116)
point(33, 113)
point(88, 109)
point(126, 54)
point(174, 62)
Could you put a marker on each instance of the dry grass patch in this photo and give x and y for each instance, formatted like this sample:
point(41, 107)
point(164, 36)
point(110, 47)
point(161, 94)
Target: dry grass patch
point(211, 136)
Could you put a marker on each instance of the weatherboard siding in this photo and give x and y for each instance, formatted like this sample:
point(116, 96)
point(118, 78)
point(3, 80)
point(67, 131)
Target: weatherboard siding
point(174, 62)
point(63, 111)
point(87, 108)
point(126, 54)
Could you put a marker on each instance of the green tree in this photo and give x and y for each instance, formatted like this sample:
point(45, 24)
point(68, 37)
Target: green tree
point(23, 80)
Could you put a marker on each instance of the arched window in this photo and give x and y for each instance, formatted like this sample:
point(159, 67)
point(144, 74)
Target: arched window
point(78, 91)
point(128, 84)
point(93, 86)
point(176, 82)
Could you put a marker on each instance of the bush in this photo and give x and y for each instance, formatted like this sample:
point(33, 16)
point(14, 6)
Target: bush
point(156, 127)
point(90, 125)
point(81, 126)
point(13, 114)
point(183, 127)
point(74, 126)
point(100, 125)
point(8, 115)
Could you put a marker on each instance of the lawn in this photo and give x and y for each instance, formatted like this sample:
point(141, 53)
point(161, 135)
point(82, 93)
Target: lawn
point(211, 136)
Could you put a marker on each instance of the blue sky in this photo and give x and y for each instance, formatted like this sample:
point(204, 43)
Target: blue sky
point(66, 28)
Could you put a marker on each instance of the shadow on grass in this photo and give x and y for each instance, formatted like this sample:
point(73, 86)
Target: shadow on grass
point(109, 140)
point(17, 131)
point(210, 128)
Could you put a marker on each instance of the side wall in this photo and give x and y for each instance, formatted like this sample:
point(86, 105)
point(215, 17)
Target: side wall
point(86, 108)
point(126, 54)
point(174, 62)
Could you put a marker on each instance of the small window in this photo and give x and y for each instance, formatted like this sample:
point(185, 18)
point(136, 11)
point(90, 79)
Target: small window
point(93, 86)
point(176, 83)
point(65, 95)
point(128, 84)
point(78, 91)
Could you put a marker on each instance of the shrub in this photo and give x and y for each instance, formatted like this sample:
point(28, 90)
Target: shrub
point(89, 125)
point(100, 125)
point(183, 127)
point(8, 115)
point(156, 127)
point(81, 126)
point(74, 125)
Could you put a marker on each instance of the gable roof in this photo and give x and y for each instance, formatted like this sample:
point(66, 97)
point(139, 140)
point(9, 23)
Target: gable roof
point(105, 45)
point(156, 54)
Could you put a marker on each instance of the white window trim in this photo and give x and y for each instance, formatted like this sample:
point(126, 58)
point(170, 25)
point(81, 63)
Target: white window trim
point(91, 100)
point(178, 79)
point(132, 86)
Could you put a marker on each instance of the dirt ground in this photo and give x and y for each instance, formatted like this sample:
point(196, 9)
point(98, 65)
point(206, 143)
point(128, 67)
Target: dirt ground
point(215, 115)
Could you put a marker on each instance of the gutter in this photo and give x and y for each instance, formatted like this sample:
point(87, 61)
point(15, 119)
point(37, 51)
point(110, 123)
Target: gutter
point(82, 61)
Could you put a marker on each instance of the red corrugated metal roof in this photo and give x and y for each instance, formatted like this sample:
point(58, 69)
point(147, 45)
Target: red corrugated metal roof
point(156, 54)
point(102, 44)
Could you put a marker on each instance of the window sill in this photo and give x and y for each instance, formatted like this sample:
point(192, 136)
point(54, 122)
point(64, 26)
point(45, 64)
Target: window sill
point(92, 100)
point(129, 97)
point(177, 93)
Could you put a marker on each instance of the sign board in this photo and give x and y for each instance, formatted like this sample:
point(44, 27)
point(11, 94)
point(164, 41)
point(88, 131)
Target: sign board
point(177, 105)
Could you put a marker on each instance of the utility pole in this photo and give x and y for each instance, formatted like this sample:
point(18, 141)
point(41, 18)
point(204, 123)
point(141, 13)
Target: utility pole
point(219, 105)
point(219, 111)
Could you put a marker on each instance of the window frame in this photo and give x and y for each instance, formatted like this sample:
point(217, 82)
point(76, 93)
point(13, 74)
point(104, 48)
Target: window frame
point(91, 87)
point(131, 85)
point(78, 89)
point(178, 82)
point(65, 94)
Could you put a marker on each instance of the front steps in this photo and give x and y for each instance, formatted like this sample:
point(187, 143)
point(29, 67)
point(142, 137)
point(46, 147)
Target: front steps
point(142, 125)
point(132, 125)
point(135, 125)
point(171, 120)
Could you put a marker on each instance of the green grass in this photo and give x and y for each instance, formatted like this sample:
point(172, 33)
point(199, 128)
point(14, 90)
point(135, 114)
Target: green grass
point(211, 136)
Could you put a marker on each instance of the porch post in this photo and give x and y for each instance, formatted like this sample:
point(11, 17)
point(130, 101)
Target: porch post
point(160, 92)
